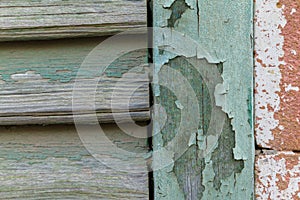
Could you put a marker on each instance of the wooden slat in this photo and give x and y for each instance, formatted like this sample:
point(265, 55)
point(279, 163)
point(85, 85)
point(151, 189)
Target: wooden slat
point(37, 84)
point(50, 162)
point(28, 20)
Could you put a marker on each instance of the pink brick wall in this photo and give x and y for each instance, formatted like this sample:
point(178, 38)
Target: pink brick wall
point(277, 98)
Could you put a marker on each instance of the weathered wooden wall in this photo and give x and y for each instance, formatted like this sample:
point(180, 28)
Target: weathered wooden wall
point(203, 133)
point(50, 162)
point(277, 98)
point(37, 84)
point(50, 19)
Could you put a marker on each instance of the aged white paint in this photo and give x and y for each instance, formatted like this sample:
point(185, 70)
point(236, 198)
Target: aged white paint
point(28, 76)
point(268, 48)
point(269, 168)
point(293, 11)
point(294, 52)
point(291, 88)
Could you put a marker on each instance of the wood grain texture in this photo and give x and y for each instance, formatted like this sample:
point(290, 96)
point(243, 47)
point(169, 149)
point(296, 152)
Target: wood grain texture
point(203, 129)
point(32, 20)
point(50, 162)
point(37, 84)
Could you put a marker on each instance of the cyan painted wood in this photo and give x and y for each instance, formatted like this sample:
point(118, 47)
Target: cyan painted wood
point(203, 134)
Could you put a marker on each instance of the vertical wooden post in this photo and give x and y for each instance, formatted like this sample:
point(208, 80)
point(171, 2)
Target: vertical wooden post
point(203, 86)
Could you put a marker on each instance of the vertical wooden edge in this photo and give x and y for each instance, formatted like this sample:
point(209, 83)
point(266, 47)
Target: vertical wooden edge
point(227, 171)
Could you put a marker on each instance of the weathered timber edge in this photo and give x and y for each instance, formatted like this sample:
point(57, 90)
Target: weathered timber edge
point(39, 20)
point(37, 84)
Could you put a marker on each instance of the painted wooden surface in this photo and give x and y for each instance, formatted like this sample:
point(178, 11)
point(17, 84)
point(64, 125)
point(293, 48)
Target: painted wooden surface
point(203, 133)
point(37, 82)
point(50, 162)
point(277, 74)
point(31, 20)
point(277, 175)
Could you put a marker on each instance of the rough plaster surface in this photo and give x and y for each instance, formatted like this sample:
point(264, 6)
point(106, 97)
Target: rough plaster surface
point(277, 98)
point(277, 69)
point(278, 176)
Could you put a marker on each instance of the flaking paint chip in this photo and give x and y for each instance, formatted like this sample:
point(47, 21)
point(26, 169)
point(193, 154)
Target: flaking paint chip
point(179, 105)
point(192, 140)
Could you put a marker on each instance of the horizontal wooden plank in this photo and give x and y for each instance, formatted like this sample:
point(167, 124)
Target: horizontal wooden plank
point(37, 81)
point(50, 162)
point(31, 20)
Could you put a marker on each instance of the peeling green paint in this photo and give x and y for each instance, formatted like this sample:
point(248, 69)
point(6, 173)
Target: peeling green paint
point(178, 8)
point(193, 139)
point(179, 105)
point(213, 167)
point(224, 164)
